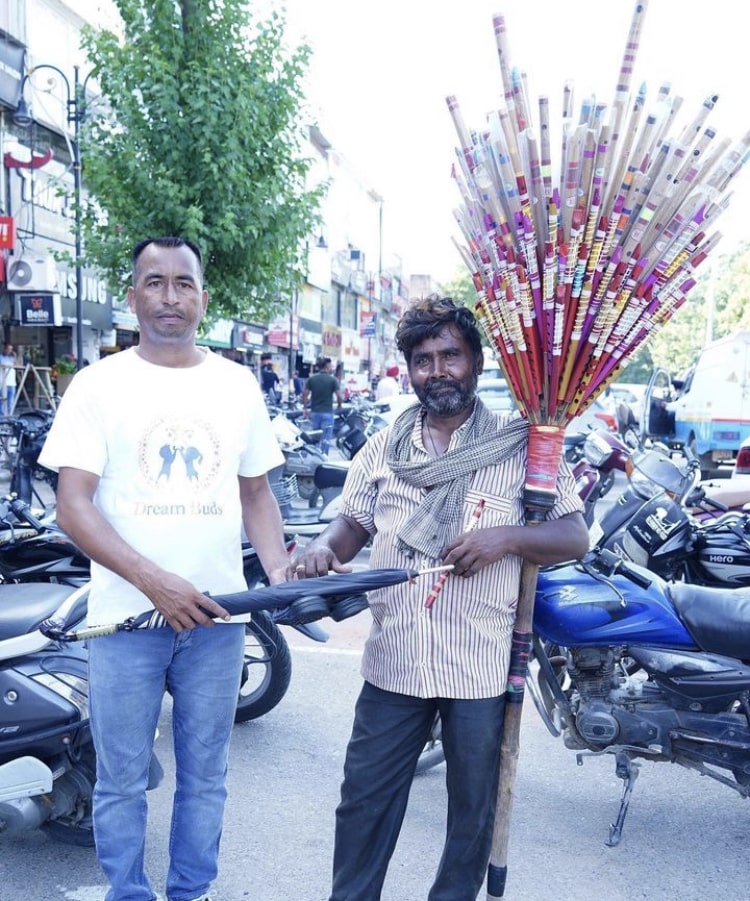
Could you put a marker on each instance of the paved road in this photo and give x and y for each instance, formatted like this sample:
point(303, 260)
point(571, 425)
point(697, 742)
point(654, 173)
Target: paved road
point(685, 837)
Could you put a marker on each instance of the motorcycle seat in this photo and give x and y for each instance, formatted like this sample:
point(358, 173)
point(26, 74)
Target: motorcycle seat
point(717, 618)
point(311, 436)
point(330, 475)
point(23, 606)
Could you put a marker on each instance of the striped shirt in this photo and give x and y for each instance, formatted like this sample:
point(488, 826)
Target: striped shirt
point(460, 647)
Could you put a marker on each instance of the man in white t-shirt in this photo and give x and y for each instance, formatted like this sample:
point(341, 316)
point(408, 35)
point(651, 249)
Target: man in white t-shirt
point(163, 452)
point(388, 385)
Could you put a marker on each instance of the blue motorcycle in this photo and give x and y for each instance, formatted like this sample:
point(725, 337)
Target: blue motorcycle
point(627, 664)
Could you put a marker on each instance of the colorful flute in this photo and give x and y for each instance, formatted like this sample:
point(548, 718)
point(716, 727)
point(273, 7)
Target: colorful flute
point(443, 578)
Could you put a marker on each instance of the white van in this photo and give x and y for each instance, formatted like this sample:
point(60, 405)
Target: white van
point(709, 410)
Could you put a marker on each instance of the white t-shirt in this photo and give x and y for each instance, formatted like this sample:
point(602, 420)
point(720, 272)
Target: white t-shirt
point(167, 445)
point(387, 387)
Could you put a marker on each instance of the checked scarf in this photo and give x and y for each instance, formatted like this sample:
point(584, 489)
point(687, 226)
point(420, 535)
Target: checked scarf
point(438, 518)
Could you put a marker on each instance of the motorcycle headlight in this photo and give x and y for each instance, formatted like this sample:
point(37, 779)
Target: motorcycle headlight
point(643, 485)
point(596, 449)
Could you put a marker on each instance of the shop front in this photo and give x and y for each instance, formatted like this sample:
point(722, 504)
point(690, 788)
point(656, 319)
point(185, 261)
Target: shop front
point(39, 205)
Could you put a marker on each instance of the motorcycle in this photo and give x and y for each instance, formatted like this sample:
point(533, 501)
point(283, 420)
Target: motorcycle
point(47, 761)
point(665, 538)
point(329, 481)
point(630, 665)
point(22, 438)
point(361, 422)
point(351, 436)
point(652, 472)
point(604, 454)
point(302, 453)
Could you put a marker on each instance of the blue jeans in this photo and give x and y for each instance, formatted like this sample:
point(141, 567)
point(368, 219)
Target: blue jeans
point(388, 734)
point(129, 673)
point(323, 421)
point(8, 398)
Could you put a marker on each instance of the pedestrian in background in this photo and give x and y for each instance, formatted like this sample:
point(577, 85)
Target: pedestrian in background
point(162, 452)
point(388, 386)
point(7, 379)
point(298, 384)
point(320, 390)
point(269, 379)
point(414, 489)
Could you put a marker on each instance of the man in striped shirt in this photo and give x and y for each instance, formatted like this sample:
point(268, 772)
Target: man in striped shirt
point(415, 491)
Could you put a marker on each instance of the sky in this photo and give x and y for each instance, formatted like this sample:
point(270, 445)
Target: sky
point(381, 72)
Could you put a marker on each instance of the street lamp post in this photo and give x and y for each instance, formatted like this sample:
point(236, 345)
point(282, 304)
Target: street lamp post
point(76, 111)
point(293, 313)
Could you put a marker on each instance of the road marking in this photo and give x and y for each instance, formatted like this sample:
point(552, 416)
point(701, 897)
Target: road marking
point(351, 652)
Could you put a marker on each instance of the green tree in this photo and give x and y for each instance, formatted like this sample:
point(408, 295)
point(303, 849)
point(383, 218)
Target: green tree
point(202, 139)
point(461, 288)
point(722, 286)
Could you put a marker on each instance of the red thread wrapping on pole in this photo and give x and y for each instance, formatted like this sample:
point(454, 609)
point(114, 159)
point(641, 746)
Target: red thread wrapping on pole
point(545, 451)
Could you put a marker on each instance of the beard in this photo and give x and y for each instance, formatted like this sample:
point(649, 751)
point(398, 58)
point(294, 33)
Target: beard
point(447, 397)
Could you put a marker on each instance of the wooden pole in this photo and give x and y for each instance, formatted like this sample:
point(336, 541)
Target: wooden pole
point(497, 871)
point(543, 461)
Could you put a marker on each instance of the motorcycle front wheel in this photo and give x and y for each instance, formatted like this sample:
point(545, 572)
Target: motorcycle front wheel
point(266, 669)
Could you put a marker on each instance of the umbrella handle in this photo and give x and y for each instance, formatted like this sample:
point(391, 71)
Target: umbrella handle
point(55, 631)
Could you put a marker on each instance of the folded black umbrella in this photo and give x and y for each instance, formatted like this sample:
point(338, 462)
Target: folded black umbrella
point(300, 601)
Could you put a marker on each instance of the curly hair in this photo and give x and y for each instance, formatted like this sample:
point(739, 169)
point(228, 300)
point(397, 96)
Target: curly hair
point(428, 316)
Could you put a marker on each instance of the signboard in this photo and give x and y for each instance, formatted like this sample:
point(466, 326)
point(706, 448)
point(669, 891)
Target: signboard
point(278, 332)
point(367, 320)
point(7, 233)
point(38, 309)
point(331, 341)
point(350, 349)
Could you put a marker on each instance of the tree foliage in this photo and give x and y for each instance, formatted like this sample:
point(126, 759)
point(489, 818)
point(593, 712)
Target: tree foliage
point(717, 306)
point(461, 288)
point(202, 139)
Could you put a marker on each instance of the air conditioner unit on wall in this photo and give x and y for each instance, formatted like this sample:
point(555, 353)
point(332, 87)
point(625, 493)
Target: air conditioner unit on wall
point(32, 274)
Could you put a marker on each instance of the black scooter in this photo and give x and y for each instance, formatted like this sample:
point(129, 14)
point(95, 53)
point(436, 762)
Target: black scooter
point(47, 763)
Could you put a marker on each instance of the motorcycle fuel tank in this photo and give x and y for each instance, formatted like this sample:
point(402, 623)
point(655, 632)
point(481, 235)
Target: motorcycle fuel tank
point(574, 609)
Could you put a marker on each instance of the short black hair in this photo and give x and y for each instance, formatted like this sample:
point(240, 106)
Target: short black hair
point(167, 242)
point(428, 316)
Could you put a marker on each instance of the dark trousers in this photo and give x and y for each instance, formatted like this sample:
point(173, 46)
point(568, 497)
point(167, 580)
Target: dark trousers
point(388, 735)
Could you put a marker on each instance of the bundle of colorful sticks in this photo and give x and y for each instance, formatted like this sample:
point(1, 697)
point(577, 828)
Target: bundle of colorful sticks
point(572, 277)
